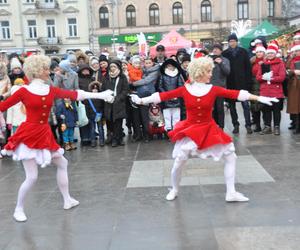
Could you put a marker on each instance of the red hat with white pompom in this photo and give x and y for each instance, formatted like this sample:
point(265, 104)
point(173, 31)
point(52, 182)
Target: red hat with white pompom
point(296, 36)
point(272, 47)
point(259, 48)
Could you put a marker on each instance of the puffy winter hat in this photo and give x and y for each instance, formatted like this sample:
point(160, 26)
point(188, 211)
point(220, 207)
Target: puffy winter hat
point(72, 58)
point(160, 48)
point(136, 59)
point(256, 41)
point(232, 37)
point(272, 47)
point(295, 48)
point(65, 65)
point(15, 63)
point(118, 63)
point(94, 60)
point(103, 58)
point(186, 58)
point(259, 48)
point(218, 46)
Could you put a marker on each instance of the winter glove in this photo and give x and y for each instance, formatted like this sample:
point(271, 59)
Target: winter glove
point(135, 99)
point(154, 98)
point(267, 100)
point(267, 77)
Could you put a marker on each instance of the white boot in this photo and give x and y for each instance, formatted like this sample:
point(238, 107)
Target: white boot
point(236, 196)
point(20, 216)
point(70, 204)
point(172, 195)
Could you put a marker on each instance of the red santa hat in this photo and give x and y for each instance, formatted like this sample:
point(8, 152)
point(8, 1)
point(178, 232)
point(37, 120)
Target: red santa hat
point(259, 48)
point(295, 47)
point(272, 47)
point(296, 36)
point(255, 42)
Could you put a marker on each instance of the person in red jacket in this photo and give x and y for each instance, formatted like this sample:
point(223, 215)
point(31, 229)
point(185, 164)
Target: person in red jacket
point(199, 135)
point(271, 75)
point(33, 143)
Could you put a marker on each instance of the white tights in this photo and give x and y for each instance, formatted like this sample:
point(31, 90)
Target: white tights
point(31, 171)
point(229, 172)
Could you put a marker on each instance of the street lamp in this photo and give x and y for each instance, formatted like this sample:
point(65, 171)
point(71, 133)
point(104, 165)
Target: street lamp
point(113, 4)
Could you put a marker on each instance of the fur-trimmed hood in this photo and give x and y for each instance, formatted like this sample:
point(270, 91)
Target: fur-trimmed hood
point(93, 84)
point(169, 61)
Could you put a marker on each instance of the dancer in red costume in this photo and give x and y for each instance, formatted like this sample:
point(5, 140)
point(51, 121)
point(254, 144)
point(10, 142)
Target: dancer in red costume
point(33, 142)
point(199, 135)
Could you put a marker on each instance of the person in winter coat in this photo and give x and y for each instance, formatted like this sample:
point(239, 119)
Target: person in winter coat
point(239, 78)
point(170, 79)
point(94, 65)
point(144, 87)
point(85, 77)
point(94, 112)
point(115, 113)
point(67, 112)
point(135, 71)
point(103, 62)
point(270, 75)
point(17, 113)
point(5, 84)
point(16, 71)
point(256, 107)
point(82, 58)
point(293, 105)
point(185, 61)
point(67, 78)
point(160, 54)
point(219, 74)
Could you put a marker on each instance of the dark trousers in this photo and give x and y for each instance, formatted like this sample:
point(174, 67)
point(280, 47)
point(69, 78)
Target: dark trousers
point(129, 114)
point(99, 126)
point(256, 118)
point(275, 111)
point(218, 112)
point(115, 127)
point(141, 118)
point(234, 115)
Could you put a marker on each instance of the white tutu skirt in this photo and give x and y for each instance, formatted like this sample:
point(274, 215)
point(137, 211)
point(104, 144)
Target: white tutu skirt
point(42, 157)
point(186, 147)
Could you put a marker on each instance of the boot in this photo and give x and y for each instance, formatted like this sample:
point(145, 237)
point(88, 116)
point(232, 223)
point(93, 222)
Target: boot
point(249, 130)
point(266, 130)
point(93, 143)
point(257, 128)
point(114, 143)
point(109, 139)
point(236, 129)
point(67, 146)
point(297, 125)
point(73, 146)
point(121, 142)
point(276, 130)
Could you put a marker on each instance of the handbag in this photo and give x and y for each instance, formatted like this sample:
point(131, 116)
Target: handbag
point(82, 118)
point(98, 116)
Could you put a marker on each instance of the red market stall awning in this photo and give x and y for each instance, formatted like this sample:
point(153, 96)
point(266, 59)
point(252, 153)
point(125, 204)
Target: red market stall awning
point(172, 42)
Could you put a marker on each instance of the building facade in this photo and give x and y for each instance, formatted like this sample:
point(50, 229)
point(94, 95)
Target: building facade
point(198, 20)
point(52, 26)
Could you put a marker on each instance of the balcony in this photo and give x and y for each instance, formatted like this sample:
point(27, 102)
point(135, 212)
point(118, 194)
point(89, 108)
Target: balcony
point(43, 7)
point(50, 43)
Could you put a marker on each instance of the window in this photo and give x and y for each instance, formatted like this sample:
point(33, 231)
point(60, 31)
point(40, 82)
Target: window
point(154, 14)
point(103, 14)
point(130, 16)
point(271, 8)
point(5, 30)
point(50, 28)
point(206, 11)
point(32, 33)
point(72, 27)
point(177, 13)
point(49, 1)
point(3, 1)
point(29, 1)
point(243, 9)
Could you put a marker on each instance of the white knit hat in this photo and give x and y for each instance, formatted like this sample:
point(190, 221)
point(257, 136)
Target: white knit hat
point(259, 48)
point(15, 63)
point(136, 59)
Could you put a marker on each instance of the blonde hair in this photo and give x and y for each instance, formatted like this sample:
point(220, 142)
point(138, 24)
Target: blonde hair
point(35, 65)
point(199, 67)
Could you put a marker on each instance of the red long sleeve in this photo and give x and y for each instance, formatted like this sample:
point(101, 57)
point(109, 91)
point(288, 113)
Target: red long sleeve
point(12, 100)
point(62, 93)
point(171, 94)
point(226, 93)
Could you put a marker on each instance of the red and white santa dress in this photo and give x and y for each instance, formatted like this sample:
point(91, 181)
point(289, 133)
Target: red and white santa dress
point(33, 138)
point(199, 135)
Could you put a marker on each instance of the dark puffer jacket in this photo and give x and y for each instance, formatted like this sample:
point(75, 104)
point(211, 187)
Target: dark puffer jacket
point(167, 82)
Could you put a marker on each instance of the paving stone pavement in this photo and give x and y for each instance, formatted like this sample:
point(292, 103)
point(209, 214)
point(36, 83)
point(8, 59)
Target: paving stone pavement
point(122, 192)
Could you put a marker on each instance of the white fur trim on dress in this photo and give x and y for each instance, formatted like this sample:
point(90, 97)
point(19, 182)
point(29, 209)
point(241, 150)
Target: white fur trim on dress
point(38, 87)
point(244, 95)
point(186, 148)
point(198, 88)
point(42, 157)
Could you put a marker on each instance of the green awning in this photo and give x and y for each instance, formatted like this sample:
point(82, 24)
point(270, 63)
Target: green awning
point(264, 29)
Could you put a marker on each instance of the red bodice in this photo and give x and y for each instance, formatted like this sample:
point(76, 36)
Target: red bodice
point(199, 124)
point(35, 132)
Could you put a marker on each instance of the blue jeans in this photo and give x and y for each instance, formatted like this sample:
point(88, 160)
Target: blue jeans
point(68, 135)
point(99, 126)
point(234, 115)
